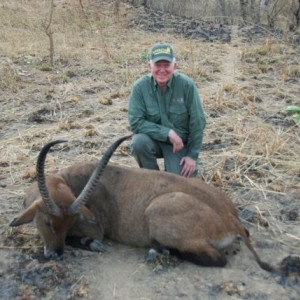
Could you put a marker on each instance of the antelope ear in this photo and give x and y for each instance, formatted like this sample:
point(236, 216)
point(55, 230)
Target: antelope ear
point(85, 214)
point(27, 215)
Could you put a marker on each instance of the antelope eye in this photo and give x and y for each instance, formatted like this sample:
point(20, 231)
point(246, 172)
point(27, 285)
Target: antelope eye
point(48, 223)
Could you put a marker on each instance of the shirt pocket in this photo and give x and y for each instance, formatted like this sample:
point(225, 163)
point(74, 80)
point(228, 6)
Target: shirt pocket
point(153, 115)
point(178, 115)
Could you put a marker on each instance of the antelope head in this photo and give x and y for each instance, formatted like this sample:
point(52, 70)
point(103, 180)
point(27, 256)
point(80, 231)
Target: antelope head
point(56, 209)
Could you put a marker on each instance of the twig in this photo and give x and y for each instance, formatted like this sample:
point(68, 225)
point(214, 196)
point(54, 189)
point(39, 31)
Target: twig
point(293, 236)
point(114, 290)
point(72, 287)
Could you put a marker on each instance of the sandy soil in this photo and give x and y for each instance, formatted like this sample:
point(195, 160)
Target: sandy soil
point(251, 152)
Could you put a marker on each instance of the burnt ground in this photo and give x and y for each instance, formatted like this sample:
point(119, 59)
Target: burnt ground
point(246, 76)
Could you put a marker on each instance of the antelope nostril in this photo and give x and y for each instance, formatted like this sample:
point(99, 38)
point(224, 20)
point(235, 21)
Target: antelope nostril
point(60, 251)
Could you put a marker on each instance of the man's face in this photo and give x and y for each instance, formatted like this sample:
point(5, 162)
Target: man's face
point(162, 71)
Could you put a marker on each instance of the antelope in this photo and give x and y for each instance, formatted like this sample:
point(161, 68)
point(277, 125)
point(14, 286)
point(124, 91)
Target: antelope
point(82, 204)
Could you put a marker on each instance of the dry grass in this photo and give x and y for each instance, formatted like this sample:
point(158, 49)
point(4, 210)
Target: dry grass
point(244, 88)
point(251, 148)
point(112, 59)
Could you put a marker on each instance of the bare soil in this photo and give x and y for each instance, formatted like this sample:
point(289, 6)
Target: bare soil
point(251, 147)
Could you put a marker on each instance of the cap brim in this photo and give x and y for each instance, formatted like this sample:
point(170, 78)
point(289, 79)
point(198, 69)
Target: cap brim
point(162, 57)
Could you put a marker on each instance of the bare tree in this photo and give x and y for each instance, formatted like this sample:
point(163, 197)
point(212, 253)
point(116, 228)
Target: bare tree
point(254, 12)
point(296, 12)
point(243, 5)
point(250, 11)
point(223, 10)
point(270, 10)
point(275, 7)
point(262, 8)
point(46, 24)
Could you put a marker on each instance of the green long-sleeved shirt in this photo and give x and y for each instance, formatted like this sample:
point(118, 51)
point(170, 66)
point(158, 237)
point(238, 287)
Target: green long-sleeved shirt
point(179, 108)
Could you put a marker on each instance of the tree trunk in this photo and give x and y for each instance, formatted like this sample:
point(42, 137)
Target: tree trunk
point(254, 12)
point(262, 8)
point(243, 5)
point(223, 10)
point(296, 12)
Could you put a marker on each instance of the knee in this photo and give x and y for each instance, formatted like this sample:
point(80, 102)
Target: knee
point(140, 142)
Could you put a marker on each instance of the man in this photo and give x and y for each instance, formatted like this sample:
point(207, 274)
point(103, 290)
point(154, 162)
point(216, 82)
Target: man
point(166, 116)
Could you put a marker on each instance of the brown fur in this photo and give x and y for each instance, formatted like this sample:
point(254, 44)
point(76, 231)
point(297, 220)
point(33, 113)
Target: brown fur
point(141, 208)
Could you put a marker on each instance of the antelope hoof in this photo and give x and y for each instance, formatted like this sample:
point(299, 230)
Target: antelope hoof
point(93, 245)
point(97, 246)
point(152, 254)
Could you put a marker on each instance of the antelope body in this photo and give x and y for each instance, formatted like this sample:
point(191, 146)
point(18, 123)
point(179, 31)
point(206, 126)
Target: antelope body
point(137, 207)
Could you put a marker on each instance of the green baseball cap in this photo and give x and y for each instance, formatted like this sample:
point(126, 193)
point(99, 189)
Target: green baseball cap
point(162, 51)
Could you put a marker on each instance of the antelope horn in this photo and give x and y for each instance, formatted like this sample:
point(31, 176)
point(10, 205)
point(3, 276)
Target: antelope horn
point(94, 179)
point(40, 174)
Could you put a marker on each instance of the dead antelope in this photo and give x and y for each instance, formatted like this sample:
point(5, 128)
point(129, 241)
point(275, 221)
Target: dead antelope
point(82, 204)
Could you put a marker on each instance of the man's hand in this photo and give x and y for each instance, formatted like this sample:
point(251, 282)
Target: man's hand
point(176, 141)
point(188, 166)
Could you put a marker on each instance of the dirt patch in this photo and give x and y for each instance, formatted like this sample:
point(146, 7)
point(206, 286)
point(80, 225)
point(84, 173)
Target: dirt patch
point(251, 148)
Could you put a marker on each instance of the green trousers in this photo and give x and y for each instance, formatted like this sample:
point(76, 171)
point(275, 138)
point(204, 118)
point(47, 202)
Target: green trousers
point(146, 151)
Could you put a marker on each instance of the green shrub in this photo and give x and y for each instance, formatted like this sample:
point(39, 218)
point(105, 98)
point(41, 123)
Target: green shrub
point(295, 111)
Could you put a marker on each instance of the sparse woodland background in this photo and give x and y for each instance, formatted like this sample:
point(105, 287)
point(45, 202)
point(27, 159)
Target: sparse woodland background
point(272, 13)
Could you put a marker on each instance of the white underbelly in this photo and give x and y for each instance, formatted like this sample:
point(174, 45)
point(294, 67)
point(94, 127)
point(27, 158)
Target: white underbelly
point(223, 243)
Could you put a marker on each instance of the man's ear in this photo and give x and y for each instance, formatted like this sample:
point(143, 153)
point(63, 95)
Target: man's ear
point(27, 215)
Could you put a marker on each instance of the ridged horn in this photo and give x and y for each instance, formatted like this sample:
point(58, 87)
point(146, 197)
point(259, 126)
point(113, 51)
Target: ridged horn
point(40, 174)
point(94, 179)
